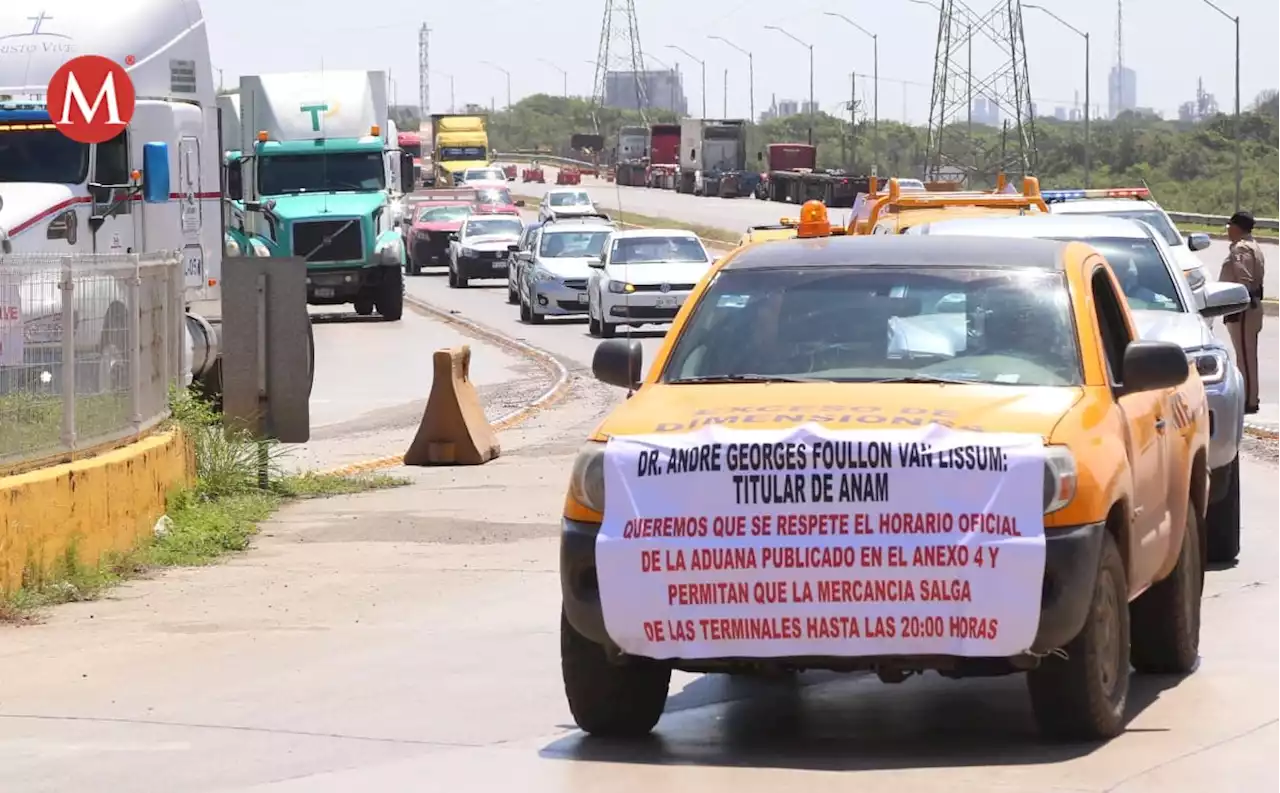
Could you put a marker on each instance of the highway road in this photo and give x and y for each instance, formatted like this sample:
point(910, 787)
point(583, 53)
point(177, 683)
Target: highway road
point(407, 639)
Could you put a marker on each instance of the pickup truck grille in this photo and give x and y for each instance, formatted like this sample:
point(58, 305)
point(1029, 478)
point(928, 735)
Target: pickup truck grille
point(329, 240)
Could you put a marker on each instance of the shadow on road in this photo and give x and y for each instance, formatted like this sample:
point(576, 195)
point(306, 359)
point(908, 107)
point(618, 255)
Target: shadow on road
point(346, 318)
point(829, 722)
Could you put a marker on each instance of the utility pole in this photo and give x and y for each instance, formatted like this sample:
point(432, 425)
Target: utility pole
point(853, 121)
point(812, 107)
point(424, 72)
point(751, 75)
point(725, 113)
point(563, 74)
point(1239, 131)
point(875, 78)
point(1088, 144)
point(507, 73)
point(701, 63)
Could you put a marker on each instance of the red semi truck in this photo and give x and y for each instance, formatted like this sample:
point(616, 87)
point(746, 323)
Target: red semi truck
point(664, 156)
point(791, 176)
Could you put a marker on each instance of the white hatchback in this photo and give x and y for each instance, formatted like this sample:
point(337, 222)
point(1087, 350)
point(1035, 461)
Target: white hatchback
point(643, 277)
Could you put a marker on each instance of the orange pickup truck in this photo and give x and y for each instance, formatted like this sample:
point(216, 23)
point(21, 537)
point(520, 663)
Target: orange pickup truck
point(795, 483)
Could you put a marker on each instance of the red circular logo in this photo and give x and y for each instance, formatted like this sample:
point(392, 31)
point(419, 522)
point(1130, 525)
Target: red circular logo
point(91, 99)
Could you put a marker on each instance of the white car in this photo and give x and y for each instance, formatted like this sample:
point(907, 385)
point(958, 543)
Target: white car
point(643, 277)
point(556, 267)
point(1135, 203)
point(479, 249)
point(491, 176)
point(565, 203)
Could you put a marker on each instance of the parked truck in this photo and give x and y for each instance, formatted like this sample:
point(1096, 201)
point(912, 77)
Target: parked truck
point(411, 145)
point(321, 176)
point(713, 158)
point(461, 142)
point(664, 156)
point(152, 188)
point(631, 156)
point(791, 176)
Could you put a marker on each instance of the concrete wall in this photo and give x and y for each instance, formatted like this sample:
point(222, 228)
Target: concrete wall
point(101, 504)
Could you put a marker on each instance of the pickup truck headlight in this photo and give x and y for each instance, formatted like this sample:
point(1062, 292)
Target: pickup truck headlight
point(586, 483)
point(467, 252)
point(621, 288)
point(1195, 277)
point(1059, 478)
point(1211, 364)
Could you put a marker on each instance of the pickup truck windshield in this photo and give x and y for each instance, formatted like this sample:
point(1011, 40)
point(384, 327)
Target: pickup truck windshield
point(867, 324)
point(570, 200)
point(478, 228)
point(286, 174)
point(493, 195)
point(484, 175)
point(1156, 220)
point(443, 214)
point(37, 152)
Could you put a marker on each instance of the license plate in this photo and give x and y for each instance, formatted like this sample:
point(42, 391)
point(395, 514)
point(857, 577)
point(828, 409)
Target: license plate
point(667, 301)
point(324, 291)
point(499, 265)
point(582, 298)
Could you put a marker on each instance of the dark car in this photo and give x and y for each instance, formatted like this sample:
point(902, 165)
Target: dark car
point(429, 236)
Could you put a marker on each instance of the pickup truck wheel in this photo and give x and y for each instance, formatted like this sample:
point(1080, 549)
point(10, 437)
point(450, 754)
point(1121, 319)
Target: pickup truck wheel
point(1223, 521)
point(390, 300)
point(618, 700)
point(1166, 618)
point(1082, 696)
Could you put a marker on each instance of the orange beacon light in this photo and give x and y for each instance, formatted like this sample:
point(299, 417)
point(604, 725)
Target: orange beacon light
point(813, 220)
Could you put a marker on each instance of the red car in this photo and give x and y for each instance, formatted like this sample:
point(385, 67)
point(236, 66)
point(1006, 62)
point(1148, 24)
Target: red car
point(497, 196)
point(433, 222)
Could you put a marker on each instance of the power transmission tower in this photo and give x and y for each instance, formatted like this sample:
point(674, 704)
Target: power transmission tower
point(1002, 80)
point(619, 51)
point(424, 74)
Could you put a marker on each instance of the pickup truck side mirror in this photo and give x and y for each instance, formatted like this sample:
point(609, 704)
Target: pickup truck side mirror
point(597, 263)
point(619, 362)
point(1222, 299)
point(513, 248)
point(1153, 365)
point(1198, 241)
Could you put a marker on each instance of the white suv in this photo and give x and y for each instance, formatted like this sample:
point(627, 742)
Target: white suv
point(566, 203)
point(643, 277)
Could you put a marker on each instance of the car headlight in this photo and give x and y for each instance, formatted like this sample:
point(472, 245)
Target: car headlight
point(1059, 478)
point(586, 483)
point(465, 251)
point(1211, 364)
point(542, 276)
point(621, 288)
point(1195, 277)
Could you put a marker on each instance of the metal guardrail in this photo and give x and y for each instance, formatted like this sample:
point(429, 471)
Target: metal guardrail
point(117, 318)
point(1272, 224)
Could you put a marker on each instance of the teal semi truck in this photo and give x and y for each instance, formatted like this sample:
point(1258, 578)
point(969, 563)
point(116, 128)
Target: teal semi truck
point(318, 174)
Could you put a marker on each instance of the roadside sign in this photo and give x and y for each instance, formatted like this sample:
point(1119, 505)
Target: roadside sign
point(10, 325)
point(97, 119)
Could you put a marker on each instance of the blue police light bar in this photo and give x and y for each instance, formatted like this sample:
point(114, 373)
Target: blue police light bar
point(1058, 196)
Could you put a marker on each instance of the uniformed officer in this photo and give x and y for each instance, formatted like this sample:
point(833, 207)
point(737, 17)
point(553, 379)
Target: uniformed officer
point(1245, 265)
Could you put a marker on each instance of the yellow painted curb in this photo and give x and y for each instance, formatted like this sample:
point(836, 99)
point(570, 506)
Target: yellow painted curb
point(80, 511)
point(542, 358)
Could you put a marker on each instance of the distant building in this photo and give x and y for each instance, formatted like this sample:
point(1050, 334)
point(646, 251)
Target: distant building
point(663, 89)
point(986, 112)
point(1122, 91)
point(1061, 113)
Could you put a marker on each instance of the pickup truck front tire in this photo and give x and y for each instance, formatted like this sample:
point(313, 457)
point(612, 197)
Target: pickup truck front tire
point(622, 699)
point(1166, 618)
point(1223, 520)
point(1082, 696)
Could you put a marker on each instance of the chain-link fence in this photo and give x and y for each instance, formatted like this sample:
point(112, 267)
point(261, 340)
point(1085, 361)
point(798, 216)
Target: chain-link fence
point(89, 345)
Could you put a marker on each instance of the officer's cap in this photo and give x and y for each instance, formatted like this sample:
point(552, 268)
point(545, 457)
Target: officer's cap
point(1242, 220)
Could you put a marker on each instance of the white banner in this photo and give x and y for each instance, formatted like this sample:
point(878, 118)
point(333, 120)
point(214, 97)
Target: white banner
point(11, 336)
point(810, 541)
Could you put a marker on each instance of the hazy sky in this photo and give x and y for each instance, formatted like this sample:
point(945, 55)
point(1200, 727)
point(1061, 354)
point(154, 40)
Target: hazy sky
point(1170, 43)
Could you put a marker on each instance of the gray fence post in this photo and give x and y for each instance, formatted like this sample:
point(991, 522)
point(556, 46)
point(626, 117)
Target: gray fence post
point(67, 286)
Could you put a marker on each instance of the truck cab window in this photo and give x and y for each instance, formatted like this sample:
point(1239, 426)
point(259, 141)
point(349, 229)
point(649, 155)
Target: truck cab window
point(112, 168)
point(1111, 325)
point(37, 152)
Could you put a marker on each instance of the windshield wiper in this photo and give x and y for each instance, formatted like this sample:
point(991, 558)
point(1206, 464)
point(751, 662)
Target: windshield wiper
point(746, 378)
point(923, 378)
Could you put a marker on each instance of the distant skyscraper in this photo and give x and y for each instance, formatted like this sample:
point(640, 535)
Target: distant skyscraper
point(1122, 90)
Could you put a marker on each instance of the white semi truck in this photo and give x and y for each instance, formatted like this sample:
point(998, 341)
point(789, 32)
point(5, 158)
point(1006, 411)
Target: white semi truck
point(58, 196)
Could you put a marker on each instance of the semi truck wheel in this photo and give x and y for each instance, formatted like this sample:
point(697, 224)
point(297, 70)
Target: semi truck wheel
point(390, 299)
point(620, 700)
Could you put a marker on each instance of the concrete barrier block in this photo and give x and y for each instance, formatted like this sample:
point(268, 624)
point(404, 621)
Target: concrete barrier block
point(454, 430)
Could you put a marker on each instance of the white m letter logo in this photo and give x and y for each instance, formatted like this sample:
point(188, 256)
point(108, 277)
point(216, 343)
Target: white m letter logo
point(107, 92)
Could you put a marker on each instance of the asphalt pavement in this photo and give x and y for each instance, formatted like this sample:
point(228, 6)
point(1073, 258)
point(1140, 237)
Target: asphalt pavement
point(407, 640)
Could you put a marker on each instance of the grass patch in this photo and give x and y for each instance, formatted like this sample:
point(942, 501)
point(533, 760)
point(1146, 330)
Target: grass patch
point(723, 236)
point(31, 423)
point(219, 515)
